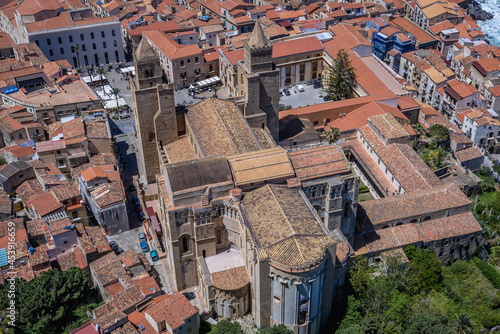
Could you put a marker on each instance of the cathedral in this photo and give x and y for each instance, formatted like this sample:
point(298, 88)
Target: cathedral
point(258, 228)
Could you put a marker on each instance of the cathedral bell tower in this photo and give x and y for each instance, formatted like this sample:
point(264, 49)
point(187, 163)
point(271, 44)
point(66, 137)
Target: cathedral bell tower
point(154, 110)
point(260, 82)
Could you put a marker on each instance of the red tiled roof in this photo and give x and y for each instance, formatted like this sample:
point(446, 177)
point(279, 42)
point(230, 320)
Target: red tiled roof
point(45, 203)
point(234, 56)
point(169, 47)
point(296, 46)
point(174, 310)
point(92, 172)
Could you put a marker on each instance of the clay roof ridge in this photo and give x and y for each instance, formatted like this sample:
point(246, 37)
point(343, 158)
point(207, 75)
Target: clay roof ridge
point(223, 124)
point(281, 209)
point(418, 172)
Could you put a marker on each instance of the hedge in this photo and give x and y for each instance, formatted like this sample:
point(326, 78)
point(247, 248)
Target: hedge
point(488, 271)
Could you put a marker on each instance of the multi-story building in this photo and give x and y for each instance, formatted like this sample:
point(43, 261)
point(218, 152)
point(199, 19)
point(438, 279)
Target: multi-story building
point(182, 64)
point(103, 193)
point(483, 130)
point(66, 34)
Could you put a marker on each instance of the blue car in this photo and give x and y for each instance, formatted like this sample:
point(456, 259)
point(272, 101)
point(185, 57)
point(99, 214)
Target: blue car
point(154, 255)
point(144, 247)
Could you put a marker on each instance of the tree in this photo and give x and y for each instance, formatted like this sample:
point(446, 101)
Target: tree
point(102, 74)
point(463, 325)
point(115, 92)
point(427, 324)
point(90, 71)
point(276, 329)
point(227, 327)
point(215, 89)
point(77, 49)
point(46, 303)
point(333, 135)
point(425, 269)
point(487, 184)
point(341, 76)
point(439, 132)
point(419, 130)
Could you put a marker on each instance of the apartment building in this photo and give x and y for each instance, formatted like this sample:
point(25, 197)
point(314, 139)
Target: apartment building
point(182, 64)
point(102, 190)
point(66, 34)
point(483, 130)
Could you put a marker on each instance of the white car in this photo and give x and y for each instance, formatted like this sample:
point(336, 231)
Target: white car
point(300, 88)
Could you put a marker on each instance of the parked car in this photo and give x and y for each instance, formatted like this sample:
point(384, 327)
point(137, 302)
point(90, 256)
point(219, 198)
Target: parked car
point(317, 85)
point(281, 92)
point(144, 247)
point(154, 255)
point(136, 199)
point(118, 250)
point(300, 88)
point(287, 92)
point(113, 244)
point(142, 237)
point(141, 215)
point(189, 295)
point(327, 98)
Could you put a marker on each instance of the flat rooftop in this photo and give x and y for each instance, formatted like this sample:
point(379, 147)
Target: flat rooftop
point(224, 261)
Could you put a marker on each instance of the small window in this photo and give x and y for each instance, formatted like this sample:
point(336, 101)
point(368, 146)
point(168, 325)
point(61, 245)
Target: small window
point(61, 50)
point(115, 43)
point(104, 45)
point(94, 46)
point(103, 34)
point(113, 32)
point(59, 39)
point(82, 38)
point(92, 36)
point(51, 53)
point(71, 39)
point(48, 41)
point(196, 59)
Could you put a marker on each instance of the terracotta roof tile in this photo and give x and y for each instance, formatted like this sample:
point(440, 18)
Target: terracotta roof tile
point(260, 166)
point(174, 310)
point(468, 154)
point(220, 128)
point(45, 203)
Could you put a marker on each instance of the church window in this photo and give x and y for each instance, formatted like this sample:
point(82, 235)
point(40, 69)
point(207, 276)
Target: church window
point(346, 209)
point(185, 244)
point(302, 317)
point(219, 237)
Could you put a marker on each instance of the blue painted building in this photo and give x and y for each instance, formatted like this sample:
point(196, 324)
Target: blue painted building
point(391, 38)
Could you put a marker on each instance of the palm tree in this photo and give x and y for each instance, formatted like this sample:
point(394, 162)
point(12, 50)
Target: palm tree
point(419, 130)
point(102, 73)
point(215, 89)
point(77, 49)
point(90, 70)
point(333, 135)
point(463, 324)
point(115, 92)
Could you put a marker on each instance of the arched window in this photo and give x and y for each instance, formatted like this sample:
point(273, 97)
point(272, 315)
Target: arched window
point(427, 218)
point(185, 244)
point(302, 317)
point(219, 237)
point(151, 137)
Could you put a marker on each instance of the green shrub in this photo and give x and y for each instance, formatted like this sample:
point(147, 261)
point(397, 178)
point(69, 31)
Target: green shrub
point(488, 271)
